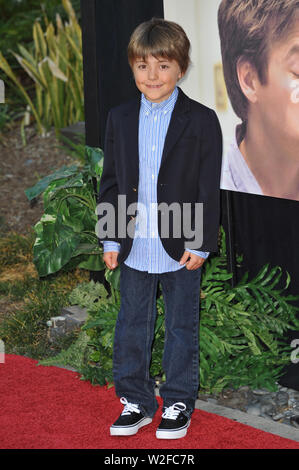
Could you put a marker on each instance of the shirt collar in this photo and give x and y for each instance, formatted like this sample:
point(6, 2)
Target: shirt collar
point(165, 105)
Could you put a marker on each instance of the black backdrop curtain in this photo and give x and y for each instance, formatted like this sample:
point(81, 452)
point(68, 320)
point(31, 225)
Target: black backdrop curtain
point(266, 230)
point(108, 81)
point(263, 229)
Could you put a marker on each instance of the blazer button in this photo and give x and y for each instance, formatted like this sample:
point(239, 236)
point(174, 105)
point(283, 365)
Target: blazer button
point(134, 189)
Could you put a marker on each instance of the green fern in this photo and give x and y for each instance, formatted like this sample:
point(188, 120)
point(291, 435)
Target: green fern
point(87, 294)
point(75, 356)
point(241, 330)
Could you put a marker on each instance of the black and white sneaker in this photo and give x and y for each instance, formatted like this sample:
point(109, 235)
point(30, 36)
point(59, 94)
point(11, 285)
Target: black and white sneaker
point(130, 420)
point(174, 423)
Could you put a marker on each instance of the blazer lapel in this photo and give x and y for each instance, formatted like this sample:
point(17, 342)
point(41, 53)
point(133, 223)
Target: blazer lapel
point(131, 131)
point(179, 119)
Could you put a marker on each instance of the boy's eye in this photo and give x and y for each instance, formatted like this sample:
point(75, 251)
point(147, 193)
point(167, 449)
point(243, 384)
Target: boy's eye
point(143, 66)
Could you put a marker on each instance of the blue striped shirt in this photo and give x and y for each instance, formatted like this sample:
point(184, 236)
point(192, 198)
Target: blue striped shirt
point(147, 252)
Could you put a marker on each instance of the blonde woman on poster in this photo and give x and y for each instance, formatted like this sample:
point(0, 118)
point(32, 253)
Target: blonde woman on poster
point(260, 54)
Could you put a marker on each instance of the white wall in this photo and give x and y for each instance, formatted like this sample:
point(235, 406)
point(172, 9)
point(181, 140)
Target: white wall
point(199, 20)
point(183, 12)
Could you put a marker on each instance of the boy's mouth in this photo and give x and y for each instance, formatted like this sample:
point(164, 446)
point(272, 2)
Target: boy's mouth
point(153, 86)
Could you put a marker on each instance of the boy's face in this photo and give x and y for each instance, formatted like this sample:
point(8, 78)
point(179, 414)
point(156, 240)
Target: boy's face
point(278, 100)
point(155, 77)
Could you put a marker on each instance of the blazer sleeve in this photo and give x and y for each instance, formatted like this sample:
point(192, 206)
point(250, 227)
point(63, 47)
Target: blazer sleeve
point(209, 181)
point(108, 191)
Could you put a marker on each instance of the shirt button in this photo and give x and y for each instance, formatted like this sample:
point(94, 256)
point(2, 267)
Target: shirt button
point(153, 148)
point(153, 234)
point(153, 176)
point(165, 112)
point(155, 118)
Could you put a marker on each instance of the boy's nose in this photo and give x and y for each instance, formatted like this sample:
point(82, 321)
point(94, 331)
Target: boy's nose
point(152, 73)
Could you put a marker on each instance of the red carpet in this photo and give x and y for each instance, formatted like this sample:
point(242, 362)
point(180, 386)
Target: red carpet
point(50, 408)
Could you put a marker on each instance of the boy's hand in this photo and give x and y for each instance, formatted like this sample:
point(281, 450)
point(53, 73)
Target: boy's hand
point(110, 259)
point(194, 262)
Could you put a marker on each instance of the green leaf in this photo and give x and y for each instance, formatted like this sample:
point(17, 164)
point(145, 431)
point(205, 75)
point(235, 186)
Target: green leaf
point(41, 185)
point(93, 263)
point(113, 277)
point(95, 157)
point(54, 245)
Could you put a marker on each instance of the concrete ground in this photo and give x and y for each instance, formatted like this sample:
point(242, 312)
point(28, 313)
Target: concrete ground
point(282, 430)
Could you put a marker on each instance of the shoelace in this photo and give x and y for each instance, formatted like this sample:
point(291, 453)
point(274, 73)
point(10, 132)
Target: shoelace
point(129, 407)
point(173, 411)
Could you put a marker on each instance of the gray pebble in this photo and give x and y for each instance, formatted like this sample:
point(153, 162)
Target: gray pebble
point(282, 398)
point(265, 399)
point(294, 394)
point(252, 398)
point(294, 420)
point(267, 409)
point(282, 405)
point(244, 388)
point(261, 391)
point(254, 409)
point(288, 414)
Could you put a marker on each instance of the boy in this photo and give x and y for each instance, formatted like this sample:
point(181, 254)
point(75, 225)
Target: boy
point(161, 148)
point(260, 54)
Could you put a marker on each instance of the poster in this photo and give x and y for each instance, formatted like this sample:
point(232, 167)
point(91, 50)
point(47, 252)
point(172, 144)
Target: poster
point(260, 57)
point(255, 45)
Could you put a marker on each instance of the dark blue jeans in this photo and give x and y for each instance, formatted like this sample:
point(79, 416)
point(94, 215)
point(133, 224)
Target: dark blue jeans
point(134, 335)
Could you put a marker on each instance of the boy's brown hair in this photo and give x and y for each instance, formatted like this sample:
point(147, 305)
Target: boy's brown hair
point(248, 29)
point(160, 38)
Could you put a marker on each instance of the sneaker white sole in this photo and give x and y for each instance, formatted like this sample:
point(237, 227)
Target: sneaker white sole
point(172, 434)
point(129, 430)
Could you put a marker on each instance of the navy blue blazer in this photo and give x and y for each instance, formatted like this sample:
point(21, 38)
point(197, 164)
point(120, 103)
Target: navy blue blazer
point(189, 172)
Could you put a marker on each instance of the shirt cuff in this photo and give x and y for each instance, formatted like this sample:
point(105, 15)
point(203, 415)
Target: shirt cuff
point(111, 246)
point(203, 254)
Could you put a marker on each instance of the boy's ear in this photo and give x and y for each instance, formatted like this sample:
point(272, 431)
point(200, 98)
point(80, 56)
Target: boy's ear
point(181, 74)
point(248, 79)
